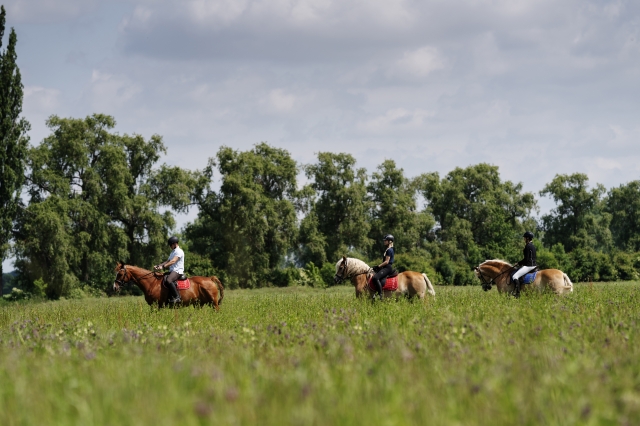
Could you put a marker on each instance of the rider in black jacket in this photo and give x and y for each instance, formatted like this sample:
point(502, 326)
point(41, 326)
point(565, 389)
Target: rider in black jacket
point(386, 267)
point(527, 264)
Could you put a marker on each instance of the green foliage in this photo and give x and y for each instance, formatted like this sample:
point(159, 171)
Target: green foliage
point(94, 199)
point(579, 220)
point(623, 204)
point(13, 139)
point(394, 210)
point(478, 215)
point(338, 208)
point(248, 226)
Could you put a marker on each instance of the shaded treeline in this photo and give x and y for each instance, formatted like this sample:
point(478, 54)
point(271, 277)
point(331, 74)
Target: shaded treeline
point(86, 197)
point(94, 196)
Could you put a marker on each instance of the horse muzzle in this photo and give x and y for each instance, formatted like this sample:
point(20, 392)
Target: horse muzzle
point(337, 279)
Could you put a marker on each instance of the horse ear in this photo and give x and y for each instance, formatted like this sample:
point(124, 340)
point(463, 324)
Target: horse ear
point(344, 258)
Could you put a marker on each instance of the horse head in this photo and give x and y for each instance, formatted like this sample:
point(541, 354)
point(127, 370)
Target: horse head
point(341, 270)
point(489, 271)
point(122, 276)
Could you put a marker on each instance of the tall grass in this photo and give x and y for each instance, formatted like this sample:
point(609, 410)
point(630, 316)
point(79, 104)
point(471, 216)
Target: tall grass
point(300, 356)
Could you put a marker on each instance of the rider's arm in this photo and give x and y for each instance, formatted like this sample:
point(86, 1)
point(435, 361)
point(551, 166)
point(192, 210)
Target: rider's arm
point(168, 262)
point(385, 263)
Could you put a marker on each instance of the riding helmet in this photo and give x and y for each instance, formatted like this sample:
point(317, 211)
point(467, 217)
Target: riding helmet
point(388, 237)
point(528, 235)
point(173, 240)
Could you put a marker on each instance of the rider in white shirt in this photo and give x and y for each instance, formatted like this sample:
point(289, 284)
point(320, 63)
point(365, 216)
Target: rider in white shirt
point(175, 262)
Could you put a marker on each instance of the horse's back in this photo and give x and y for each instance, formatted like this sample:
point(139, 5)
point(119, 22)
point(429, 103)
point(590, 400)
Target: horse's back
point(413, 283)
point(208, 289)
point(557, 280)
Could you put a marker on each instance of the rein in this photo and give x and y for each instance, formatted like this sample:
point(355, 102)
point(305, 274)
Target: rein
point(136, 280)
point(486, 286)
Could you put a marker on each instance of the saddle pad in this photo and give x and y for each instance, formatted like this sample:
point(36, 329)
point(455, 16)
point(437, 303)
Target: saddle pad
point(390, 285)
point(184, 285)
point(529, 278)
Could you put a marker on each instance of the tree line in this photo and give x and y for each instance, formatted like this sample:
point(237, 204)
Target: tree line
point(87, 196)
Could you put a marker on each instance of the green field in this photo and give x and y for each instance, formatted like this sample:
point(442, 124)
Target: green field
point(303, 356)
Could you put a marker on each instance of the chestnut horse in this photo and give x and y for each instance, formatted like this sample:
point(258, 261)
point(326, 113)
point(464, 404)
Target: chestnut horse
point(203, 290)
point(499, 272)
point(409, 283)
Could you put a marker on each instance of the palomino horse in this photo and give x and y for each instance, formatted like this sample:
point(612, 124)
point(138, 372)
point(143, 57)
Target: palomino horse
point(409, 283)
point(498, 272)
point(203, 290)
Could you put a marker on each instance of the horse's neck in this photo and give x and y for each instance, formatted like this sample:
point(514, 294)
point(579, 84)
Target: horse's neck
point(359, 267)
point(145, 280)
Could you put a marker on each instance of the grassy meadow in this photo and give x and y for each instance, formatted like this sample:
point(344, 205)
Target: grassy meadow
point(318, 357)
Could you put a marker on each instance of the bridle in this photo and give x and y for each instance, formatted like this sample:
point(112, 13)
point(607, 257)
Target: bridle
point(486, 285)
point(122, 282)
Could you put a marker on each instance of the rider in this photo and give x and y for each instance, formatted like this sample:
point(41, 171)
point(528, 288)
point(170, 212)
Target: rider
point(528, 263)
point(176, 268)
point(386, 267)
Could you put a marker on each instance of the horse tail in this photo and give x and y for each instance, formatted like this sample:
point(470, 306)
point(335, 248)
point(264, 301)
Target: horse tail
point(430, 288)
point(567, 282)
point(220, 287)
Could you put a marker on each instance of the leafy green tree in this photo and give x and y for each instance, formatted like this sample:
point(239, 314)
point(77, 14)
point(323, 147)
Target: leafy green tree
point(579, 220)
point(478, 215)
point(337, 221)
point(247, 228)
point(94, 199)
point(13, 139)
point(623, 203)
point(394, 210)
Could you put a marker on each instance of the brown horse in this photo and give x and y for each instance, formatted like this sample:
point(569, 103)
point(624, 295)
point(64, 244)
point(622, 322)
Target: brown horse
point(409, 283)
point(203, 290)
point(499, 272)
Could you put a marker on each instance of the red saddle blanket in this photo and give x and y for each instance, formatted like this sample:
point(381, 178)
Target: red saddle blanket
point(184, 285)
point(390, 285)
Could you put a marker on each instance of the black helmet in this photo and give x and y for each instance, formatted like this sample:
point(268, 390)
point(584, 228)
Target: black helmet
point(528, 235)
point(173, 240)
point(388, 237)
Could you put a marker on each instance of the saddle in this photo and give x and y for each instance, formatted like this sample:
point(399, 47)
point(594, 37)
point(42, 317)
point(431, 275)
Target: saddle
point(389, 283)
point(527, 278)
point(182, 282)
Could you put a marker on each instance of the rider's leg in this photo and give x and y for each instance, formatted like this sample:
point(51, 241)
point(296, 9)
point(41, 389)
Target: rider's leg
point(172, 285)
point(518, 277)
point(379, 276)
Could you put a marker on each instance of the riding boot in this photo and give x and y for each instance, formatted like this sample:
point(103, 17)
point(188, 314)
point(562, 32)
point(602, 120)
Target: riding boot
point(518, 285)
point(378, 287)
point(175, 294)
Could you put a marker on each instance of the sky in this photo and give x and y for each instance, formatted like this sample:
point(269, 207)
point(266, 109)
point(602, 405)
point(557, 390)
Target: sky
point(536, 87)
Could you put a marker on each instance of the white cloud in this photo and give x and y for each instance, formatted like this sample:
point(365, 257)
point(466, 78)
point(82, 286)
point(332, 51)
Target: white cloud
point(40, 100)
point(418, 63)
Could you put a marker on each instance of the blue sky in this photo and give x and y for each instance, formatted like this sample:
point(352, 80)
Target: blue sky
point(537, 87)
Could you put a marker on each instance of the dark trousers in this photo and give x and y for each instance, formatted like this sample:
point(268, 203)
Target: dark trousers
point(172, 285)
point(386, 271)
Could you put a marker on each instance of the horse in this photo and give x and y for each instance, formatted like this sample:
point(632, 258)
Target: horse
point(203, 290)
point(498, 272)
point(409, 283)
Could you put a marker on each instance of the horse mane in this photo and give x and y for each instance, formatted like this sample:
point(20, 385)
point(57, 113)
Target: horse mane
point(494, 261)
point(354, 266)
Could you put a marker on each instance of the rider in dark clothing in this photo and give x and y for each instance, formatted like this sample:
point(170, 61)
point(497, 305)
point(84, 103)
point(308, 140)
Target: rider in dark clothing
point(527, 264)
point(386, 267)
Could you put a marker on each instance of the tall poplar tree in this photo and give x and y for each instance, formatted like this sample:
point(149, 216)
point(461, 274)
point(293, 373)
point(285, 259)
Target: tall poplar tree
point(13, 139)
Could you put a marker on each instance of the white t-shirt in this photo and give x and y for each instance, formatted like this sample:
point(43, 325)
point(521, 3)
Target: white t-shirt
point(179, 265)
